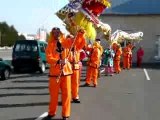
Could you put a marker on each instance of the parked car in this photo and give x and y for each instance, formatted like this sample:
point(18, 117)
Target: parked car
point(29, 54)
point(5, 69)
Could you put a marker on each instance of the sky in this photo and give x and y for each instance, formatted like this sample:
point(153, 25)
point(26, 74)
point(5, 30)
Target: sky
point(29, 15)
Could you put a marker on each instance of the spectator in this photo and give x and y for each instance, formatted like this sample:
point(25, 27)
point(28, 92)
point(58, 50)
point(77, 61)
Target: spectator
point(140, 54)
point(108, 61)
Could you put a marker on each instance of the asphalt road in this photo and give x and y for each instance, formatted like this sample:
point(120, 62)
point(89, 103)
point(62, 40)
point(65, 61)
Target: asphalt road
point(130, 95)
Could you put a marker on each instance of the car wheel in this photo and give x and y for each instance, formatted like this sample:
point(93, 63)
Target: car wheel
point(42, 68)
point(5, 74)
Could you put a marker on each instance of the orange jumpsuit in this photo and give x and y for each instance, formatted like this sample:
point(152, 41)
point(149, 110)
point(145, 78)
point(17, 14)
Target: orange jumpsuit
point(93, 64)
point(114, 47)
point(126, 57)
point(130, 59)
point(75, 78)
point(55, 70)
point(117, 60)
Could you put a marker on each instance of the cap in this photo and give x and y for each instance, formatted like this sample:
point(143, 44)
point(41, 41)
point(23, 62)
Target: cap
point(56, 28)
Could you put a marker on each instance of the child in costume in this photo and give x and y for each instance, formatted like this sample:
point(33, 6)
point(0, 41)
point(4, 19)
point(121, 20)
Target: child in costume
point(108, 61)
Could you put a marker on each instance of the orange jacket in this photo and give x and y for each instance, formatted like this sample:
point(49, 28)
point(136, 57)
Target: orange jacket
point(131, 48)
point(126, 51)
point(79, 43)
point(114, 47)
point(118, 54)
point(95, 56)
point(53, 56)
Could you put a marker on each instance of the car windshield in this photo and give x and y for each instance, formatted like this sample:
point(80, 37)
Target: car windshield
point(26, 48)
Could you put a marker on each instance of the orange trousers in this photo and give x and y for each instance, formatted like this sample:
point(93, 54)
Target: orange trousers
point(126, 62)
point(92, 74)
point(54, 87)
point(75, 80)
point(117, 67)
point(130, 61)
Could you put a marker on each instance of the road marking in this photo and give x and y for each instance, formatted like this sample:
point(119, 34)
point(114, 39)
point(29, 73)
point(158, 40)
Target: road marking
point(146, 73)
point(42, 116)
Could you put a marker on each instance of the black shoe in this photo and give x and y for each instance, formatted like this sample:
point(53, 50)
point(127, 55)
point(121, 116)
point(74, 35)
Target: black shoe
point(76, 101)
point(86, 84)
point(49, 117)
point(95, 85)
point(65, 118)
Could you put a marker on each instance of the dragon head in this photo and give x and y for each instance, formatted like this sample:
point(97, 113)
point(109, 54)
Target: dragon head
point(96, 7)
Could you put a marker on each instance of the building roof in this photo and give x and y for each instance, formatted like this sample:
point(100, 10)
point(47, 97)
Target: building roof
point(134, 7)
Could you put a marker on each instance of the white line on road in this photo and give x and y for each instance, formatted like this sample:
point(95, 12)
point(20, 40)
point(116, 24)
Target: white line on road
point(42, 116)
point(146, 73)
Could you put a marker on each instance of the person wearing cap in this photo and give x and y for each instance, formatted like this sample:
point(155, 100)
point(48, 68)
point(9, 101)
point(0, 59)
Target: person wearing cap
point(126, 56)
point(94, 63)
point(75, 77)
point(58, 55)
point(131, 46)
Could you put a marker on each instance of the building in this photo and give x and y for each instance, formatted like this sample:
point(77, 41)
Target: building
point(137, 15)
point(41, 34)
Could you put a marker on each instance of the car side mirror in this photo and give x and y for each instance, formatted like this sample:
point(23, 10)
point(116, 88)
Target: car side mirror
point(1, 59)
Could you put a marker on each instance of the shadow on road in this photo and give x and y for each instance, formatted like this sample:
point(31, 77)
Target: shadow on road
point(26, 88)
point(86, 86)
point(30, 81)
point(24, 119)
point(27, 105)
point(22, 94)
point(147, 66)
point(15, 76)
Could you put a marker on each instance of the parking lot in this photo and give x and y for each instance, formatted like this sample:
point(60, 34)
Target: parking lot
point(129, 95)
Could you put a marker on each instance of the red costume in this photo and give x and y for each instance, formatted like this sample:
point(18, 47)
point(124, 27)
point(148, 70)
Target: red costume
point(140, 54)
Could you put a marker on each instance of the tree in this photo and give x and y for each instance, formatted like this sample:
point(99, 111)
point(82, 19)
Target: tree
point(8, 34)
point(21, 37)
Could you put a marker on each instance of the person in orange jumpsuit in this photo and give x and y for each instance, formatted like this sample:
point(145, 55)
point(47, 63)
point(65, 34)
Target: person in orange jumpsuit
point(117, 59)
point(75, 77)
point(57, 54)
point(131, 46)
point(126, 57)
point(94, 63)
point(140, 54)
point(82, 57)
